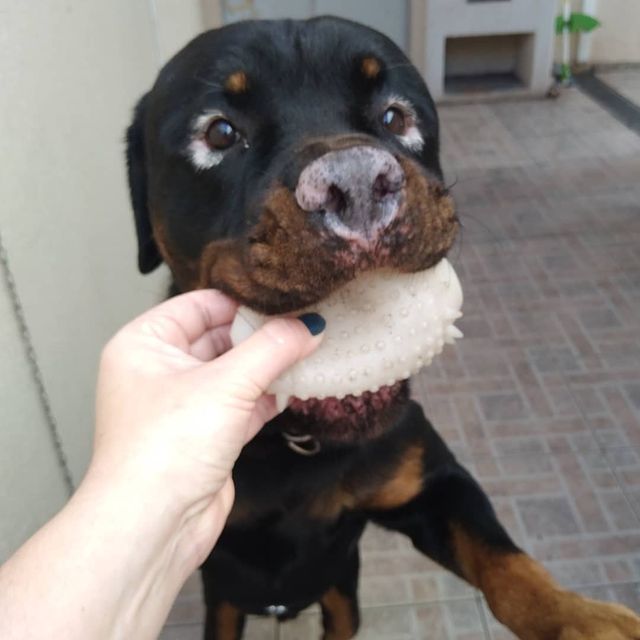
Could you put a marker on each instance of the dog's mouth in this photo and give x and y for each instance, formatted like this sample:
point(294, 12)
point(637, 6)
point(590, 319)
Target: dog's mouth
point(349, 419)
point(380, 329)
point(287, 263)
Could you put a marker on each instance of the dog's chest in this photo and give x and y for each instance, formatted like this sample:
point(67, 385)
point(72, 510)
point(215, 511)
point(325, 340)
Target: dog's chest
point(284, 484)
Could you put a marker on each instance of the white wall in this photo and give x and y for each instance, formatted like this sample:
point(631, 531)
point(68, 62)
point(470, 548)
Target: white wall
point(388, 16)
point(71, 71)
point(31, 483)
point(617, 39)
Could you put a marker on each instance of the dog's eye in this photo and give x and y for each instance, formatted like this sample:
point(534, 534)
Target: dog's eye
point(221, 135)
point(395, 121)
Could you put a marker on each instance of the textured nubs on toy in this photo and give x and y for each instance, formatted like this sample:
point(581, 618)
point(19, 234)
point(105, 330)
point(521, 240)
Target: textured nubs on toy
point(382, 327)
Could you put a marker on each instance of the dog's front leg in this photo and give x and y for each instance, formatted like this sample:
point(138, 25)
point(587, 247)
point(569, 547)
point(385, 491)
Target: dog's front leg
point(450, 519)
point(224, 621)
point(339, 604)
point(453, 522)
point(525, 597)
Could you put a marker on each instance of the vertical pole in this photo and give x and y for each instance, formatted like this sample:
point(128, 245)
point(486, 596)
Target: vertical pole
point(566, 41)
point(583, 54)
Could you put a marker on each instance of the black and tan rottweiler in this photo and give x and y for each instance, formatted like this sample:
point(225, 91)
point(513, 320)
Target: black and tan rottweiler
point(217, 154)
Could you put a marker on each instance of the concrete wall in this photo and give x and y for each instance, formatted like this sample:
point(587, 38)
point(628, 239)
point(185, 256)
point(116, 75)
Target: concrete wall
point(446, 19)
point(618, 39)
point(71, 71)
point(388, 16)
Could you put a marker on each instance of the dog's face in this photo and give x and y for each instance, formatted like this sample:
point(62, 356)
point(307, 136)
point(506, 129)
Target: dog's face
point(274, 160)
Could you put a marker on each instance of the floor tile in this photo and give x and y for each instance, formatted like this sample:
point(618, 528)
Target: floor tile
point(399, 574)
point(187, 609)
point(522, 403)
point(304, 626)
point(625, 81)
point(603, 398)
point(626, 466)
point(450, 620)
point(182, 632)
point(261, 629)
point(255, 629)
point(566, 509)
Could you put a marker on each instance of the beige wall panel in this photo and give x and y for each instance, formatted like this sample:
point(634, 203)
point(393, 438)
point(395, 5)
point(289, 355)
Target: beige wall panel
point(71, 71)
point(31, 484)
point(177, 22)
point(618, 39)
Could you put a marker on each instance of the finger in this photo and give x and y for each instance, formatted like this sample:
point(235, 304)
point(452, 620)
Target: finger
point(266, 354)
point(180, 321)
point(212, 343)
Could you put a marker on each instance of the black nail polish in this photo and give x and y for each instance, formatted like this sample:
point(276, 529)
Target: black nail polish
point(314, 322)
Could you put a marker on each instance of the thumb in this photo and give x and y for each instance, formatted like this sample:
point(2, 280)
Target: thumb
point(271, 350)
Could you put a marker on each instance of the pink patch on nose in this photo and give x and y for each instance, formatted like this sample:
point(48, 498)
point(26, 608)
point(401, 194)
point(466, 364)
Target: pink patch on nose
point(358, 190)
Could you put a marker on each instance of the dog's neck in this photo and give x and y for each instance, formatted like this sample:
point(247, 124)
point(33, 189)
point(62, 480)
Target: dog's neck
point(319, 424)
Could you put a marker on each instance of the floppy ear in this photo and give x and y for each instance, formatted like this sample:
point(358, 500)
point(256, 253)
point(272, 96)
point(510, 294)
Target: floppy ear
point(148, 255)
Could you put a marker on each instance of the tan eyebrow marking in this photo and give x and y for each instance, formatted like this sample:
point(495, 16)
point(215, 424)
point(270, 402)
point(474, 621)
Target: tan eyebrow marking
point(237, 82)
point(370, 67)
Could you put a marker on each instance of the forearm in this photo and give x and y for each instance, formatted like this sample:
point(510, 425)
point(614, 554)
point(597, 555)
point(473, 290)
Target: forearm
point(107, 566)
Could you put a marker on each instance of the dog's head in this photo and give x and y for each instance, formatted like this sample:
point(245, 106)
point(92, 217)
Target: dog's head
point(275, 159)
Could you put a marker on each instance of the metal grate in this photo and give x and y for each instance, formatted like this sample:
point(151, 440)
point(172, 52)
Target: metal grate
point(36, 373)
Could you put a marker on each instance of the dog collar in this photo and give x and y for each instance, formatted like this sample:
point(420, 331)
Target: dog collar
point(303, 443)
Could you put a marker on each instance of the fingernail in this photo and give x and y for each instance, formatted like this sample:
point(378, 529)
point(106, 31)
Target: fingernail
point(314, 322)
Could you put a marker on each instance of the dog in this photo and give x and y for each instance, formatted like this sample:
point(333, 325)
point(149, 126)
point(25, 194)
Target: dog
point(274, 161)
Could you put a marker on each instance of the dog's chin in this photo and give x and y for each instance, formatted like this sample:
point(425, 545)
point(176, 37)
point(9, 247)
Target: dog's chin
point(350, 419)
point(349, 261)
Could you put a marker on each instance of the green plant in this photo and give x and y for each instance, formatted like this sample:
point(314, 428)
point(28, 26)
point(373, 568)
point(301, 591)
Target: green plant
point(577, 23)
point(569, 23)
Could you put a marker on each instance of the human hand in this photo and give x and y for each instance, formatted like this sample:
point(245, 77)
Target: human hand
point(175, 406)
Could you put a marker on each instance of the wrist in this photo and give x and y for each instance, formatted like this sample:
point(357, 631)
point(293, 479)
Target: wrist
point(140, 549)
point(143, 513)
point(120, 560)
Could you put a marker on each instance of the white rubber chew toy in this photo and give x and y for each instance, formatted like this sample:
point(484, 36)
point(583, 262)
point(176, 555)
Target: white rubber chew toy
point(382, 327)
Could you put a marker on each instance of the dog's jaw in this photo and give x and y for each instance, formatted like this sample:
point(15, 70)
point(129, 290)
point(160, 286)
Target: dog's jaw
point(348, 420)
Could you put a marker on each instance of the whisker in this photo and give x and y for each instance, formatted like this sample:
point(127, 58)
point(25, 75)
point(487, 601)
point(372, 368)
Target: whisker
point(459, 243)
point(448, 187)
point(495, 235)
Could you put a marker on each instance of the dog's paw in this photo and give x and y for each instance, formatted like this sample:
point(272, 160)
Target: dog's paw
point(584, 619)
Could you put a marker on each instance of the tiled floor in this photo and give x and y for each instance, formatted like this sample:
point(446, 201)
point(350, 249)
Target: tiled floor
point(625, 81)
point(542, 398)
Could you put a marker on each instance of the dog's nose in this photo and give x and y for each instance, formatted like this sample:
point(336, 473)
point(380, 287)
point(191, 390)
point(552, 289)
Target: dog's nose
point(358, 190)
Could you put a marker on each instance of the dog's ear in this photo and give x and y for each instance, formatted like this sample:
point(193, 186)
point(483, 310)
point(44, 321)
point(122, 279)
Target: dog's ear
point(148, 255)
